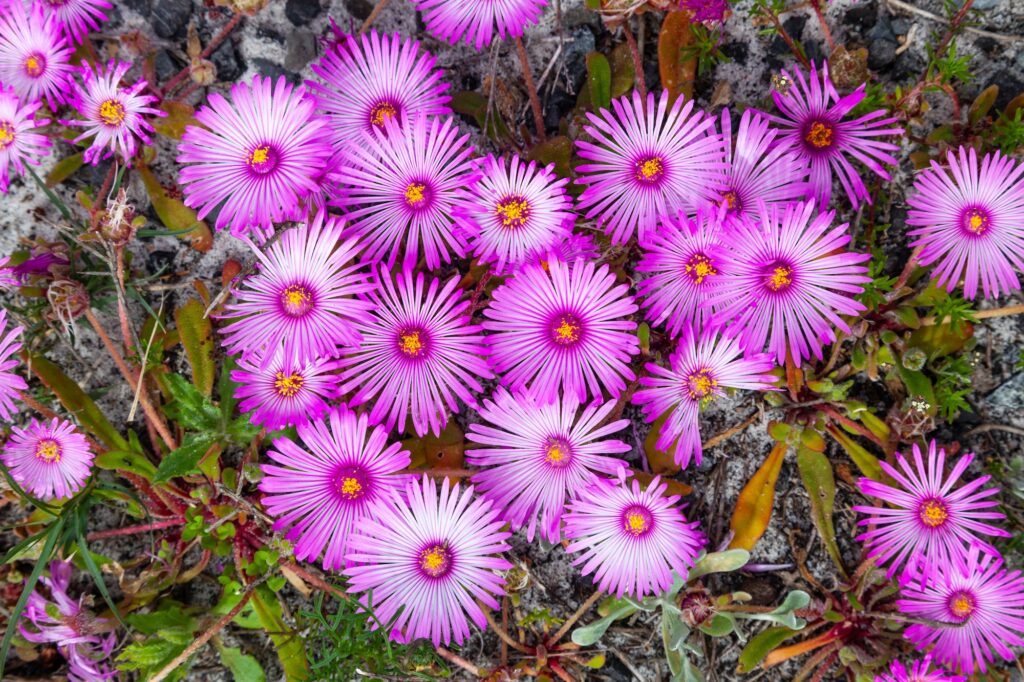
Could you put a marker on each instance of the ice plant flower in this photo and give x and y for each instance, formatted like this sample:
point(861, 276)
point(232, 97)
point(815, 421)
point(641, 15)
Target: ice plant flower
point(369, 79)
point(257, 157)
point(684, 262)
point(918, 671)
point(478, 22)
point(813, 124)
point(515, 211)
point(706, 11)
point(982, 602)
point(927, 521)
point(283, 392)
point(86, 642)
point(647, 162)
point(970, 222)
point(432, 555)
point(112, 115)
point(757, 169)
point(18, 143)
point(77, 17)
point(789, 281)
point(574, 247)
point(535, 456)
point(303, 296)
point(10, 383)
point(418, 354)
point(320, 491)
point(50, 460)
point(701, 368)
point(400, 187)
point(8, 279)
point(632, 540)
point(34, 55)
point(563, 327)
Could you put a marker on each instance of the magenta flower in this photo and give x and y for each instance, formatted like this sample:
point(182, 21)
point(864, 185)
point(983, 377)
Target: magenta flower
point(515, 212)
point(283, 392)
point(34, 56)
point(568, 250)
point(78, 17)
point(648, 164)
point(368, 79)
point(918, 671)
point(699, 370)
point(320, 492)
point(258, 157)
point(970, 222)
point(564, 327)
point(451, 20)
point(401, 187)
point(982, 602)
point(302, 297)
point(85, 641)
point(432, 556)
point(51, 461)
point(706, 11)
point(759, 170)
point(10, 383)
point(789, 281)
point(632, 540)
point(812, 125)
point(927, 522)
point(684, 260)
point(8, 279)
point(418, 354)
point(18, 143)
point(114, 115)
point(536, 455)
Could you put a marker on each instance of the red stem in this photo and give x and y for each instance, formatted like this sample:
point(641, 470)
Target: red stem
point(132, 530)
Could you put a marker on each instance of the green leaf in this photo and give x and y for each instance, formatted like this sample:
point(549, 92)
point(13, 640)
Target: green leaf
point(185, 460)
point(168, 616)
point(64, 169)
point(599, 80)
point(761, 645)
point(982, 104)
point(589, 634)
point(865, 461)
point(720, 562)
point(556, 150)
point(474, 104)
point(179, 116)
point(81, 406)
point(816, 473)
point(226, 387)
point(243, 667)
point(90, 565)
point(195, 330)
point(783, 615)
point(126, 461)
point(190, 408)
point(289, 646)
point(720, 625)
point(175, 215)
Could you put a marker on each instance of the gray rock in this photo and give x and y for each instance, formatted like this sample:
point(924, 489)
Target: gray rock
point(1004, 403)
point(165, 65)
point(170, 18)
point(360, 9)
point(986, 4)
point(273, 70)
point(300, 49)
point(229, 64)
point(143, 7)
point(1010, 85)
point(301, 12)
point(882, 54)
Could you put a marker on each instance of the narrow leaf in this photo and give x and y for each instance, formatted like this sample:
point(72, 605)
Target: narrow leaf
point(719, 562)
point(761, 645)
point(865, 461)
point(599, 80)
point(64, 169)
point(753, 510)
point(243, 667)
point(816, 473)
point(195, 330)
point(175, 215)
point(290, 649)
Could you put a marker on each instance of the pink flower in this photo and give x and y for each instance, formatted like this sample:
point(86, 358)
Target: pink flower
point(451, 20)
point(19, 144)
point(283, 392)
point(51, 461)
point(34, 56)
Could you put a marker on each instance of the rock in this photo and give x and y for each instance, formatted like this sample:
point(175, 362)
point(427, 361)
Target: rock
point(270, 33)
point(578, 44)
point(165, 65)
point(273, 70)
point(301, 12)
point(861, 17)
point(170, 18)
point(795, 26)
point(1003, 404)
point(143, 7)
point(1010, 85)
point(360, 9)
point(737, 52)
point(986, 4)
point(882, 54)
point(557, 105)
point(229, 64)
point(300, 49)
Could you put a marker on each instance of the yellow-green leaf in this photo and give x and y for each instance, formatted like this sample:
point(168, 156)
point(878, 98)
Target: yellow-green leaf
point(64, 169)
point(661, 461)
point(599, 80)
point(179, 116)
point(865, 461)
point(816, 474)
point(175, 215)
point(753, 510)
point(195, 330)
point(289, 645)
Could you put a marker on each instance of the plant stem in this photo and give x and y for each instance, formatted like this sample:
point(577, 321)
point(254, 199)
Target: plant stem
point(378, 8)
point(210, 47)
point(784, 34)
point(316, 581)
point(38, 406)
point(849, 423)
point(816, 4)
point(908, 270)
point(132, 530)
point(638, 64)
point(980, 315)
point(458, 660)
point(567, 625)
point(538, 115)
point(502, 635)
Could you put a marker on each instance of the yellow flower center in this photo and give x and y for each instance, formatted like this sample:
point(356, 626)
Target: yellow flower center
point(701, 384)
point(6, 135)
point(415, 194)
point(48, 450)
point(649, 170)
point(933, 513)
point(780, 277)
point(435, 561)
point(699, 267)
point(297, 300)
point(288, 386)
point(112, 112)
point(35, 64)
point(636, 522)
point(730, 200)
point(410, 343)
point(512, 211)
point(962, 604)
point(261, 159)
point(350, 488)
point(820, 135)
point(557, 452)
point(381, 112)
point(567, 331)
point(977, 222)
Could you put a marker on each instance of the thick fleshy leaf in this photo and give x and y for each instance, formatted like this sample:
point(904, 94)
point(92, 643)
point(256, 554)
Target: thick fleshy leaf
point(719, 562)
point(677, 72)
point(175, 215)
point(195, 330)
point(289, 646)
point(761, 645)
point(64, 169)
point(599, 80)
point(179, 116)
point(816, 473)
point(753, 510)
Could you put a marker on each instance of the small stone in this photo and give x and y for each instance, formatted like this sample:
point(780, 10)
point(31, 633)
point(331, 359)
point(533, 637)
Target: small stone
point(229, 65)
point(301, 12)
point(579, 43)
point(882, 54)
point(143, 7)
point(360, 9)
point(795, 26)
point(1010, 85)
point(273, 70)
point(170, 18)
point(986, 4)
point(165, 65)
point(300, 49)
point(861, 17)
point(737, 51)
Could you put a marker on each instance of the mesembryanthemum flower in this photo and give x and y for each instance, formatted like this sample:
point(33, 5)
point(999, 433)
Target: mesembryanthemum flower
point(113, 116)
point(10, 383)
point(565, 328)
point(927, 521)
point(369, 79)
point(18, 143)
point(77, 17)
point(983, 604)
point(648, 160)
point(283, 392)
point(50, 460)
point(515, 211)
point(632, 540)
point(320, 491)
point(418, 354)
point(431, 555)
point(34, 55)
point(812, 125)
point(258, 157)
point(303, 297)
point(399, 190)
point(918, 671)
point(684, 263)
point(450, 20)
point(790, 280)
point(701, 368)
point(536, 455)
point(970, 222)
